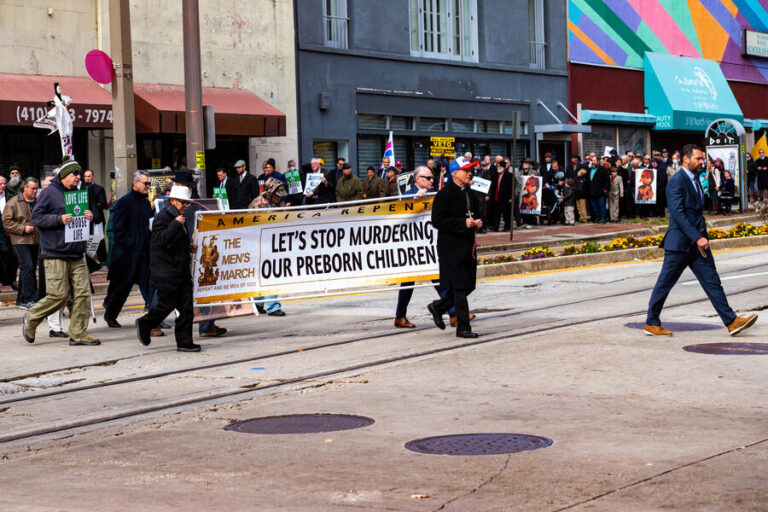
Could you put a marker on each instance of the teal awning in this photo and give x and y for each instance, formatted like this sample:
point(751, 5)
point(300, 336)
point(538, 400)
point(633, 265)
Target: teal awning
point(687, 94)
point(604, 116)
point(755, 124)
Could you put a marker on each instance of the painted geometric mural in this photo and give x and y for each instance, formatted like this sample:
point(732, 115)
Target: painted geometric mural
point(619, 32)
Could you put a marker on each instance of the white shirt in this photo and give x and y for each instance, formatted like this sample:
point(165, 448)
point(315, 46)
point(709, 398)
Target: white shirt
point(3, 200)
point(224, 182)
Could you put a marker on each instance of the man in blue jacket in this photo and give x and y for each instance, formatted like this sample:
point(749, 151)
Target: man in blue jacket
point(65, 269)
point(686, 245)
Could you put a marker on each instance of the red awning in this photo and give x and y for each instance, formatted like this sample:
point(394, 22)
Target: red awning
point(160, 109)
point(23, 99)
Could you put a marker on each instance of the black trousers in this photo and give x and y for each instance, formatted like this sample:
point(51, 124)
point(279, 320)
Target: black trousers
point(456, 298)
point(170, 296)
point(27, 256)
point(498, 210)
point(117, 294)
point(8, 265)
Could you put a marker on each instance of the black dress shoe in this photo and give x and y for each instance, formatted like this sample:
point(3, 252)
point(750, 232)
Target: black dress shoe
point(466, 334)
point(277, 312)
point(143, 333)
point(57, 334)
point(189, 348)
point(436, 317)
point(112, 323)
point(261, 309)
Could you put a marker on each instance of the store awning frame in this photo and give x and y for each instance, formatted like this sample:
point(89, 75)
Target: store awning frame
point(605, 116)
point(160, 108)
point(755, 124)
point(687, 94)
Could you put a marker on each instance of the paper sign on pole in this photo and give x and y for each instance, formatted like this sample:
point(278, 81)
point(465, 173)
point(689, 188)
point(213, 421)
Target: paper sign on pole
point(200, 159)
point(75, 204)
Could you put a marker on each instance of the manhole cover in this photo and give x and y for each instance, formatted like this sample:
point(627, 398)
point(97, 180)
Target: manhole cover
point(300, 424)
point(678, 326)
point(734, 349)
point(478, 444)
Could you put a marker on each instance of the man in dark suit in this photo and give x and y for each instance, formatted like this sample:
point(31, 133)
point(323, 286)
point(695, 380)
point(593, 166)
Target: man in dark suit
point(228, 183)
point(499, 196)
point(247, 187)
point(454, 215)
point(599, 183)
point(98, 203)
point(686, 245)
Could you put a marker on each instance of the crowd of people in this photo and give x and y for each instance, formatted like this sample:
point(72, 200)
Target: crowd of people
point(150, 245)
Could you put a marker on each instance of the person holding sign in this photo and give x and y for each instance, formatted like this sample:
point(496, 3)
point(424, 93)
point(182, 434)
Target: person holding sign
point(454, 213)
point(65, 269)
point(169, 265)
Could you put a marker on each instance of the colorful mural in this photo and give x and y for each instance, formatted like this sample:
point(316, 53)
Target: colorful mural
point(619, 32)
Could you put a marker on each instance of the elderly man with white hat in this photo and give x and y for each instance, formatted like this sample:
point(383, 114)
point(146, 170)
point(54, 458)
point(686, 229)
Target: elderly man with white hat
point(169, 266)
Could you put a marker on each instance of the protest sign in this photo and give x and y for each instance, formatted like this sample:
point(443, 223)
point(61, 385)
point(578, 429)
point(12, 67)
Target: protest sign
point(645, 186)
point(530, 199)
point(481, 185)
point(313, 180)
point(404, 181)
point(293, 177)
point(222, 201)
point(75, 204)
point(305, 251)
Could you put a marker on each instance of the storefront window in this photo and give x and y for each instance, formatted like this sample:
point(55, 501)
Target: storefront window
point(327, 150)
point(401, 123)
point(432, 124)
point(631, 138)
point(371, 122)
point(463, 125)
point(489, 126)
point(602, 135)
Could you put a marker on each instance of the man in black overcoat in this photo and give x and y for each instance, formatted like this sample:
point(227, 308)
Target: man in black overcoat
point(499, 196)
point(247, 187)
point(129, 263)
point(454, 215)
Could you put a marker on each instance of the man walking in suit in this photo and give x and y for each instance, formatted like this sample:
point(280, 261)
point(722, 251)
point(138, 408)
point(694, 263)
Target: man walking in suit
point(686, 245)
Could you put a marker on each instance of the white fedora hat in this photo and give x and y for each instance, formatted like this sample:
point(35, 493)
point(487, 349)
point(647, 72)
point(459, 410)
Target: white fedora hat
point(181, 193)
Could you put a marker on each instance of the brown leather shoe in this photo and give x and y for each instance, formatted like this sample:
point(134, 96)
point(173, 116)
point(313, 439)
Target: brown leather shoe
point(741, 323)
point(656, 330)
point(403, 322)
point(455, 320)
point(156, 332)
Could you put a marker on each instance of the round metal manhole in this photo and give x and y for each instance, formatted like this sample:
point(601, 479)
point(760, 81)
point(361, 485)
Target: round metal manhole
point(678, 326)
point(732, 349)
point(300, 424)
point(478, 444)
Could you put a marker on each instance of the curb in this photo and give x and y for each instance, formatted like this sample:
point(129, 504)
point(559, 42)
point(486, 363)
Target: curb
point(604, 258)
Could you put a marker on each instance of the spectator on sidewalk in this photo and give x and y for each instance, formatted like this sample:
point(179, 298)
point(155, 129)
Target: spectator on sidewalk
point(599, 183)
point(615, 194)
point(348, 187)
point(98, 203)
point(391, 188)
point(581, 190)
point(65, 269)
point(569, 201)
point(17, 220)
point(373, 186)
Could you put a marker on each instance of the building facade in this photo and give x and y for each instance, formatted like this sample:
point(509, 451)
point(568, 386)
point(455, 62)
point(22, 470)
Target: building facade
point(443, 76)
point(247, 61)
point(618, 52)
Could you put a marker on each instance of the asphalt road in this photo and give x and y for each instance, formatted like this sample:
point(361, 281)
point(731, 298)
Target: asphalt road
point(636, 423)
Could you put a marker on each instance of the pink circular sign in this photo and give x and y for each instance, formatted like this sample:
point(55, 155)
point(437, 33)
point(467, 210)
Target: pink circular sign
point(99, 66)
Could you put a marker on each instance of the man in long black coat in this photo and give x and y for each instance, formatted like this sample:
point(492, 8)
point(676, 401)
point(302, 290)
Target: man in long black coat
point(500, 196)
point(129, 263)
point(454, 215)
point(247, 187)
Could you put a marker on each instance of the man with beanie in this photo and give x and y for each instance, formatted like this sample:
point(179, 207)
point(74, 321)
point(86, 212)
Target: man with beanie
point(66, 272)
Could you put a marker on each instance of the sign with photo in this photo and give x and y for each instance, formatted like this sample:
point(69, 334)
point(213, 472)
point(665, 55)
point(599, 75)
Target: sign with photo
point(645, 186)
point(404, 181)
point(75, 204)
point(730, 158)
point(530, 196)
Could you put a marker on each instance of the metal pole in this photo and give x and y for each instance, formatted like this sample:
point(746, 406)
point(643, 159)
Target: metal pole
point(512, 161)
point(123, 119)
point(193, 93)
point(743, 185)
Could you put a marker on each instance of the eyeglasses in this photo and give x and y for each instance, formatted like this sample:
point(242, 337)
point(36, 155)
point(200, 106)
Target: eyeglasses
point(145, 182)
point(427, 177)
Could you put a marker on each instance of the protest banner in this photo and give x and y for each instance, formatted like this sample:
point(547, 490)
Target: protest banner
point(645, 186)
point(293, 177)
point(404, 181)
point(313, 251)
point(75, 204)
point(530, 200)
point(481, 185)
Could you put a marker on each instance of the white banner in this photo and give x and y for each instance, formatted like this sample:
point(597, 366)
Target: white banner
point(300, 251)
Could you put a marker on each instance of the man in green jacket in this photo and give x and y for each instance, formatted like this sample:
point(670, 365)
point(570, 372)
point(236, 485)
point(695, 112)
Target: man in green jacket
point(348, 187)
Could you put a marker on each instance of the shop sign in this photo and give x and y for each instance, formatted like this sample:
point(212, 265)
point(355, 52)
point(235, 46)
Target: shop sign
point(83, 116)
point(755, 44)
point(442, 146)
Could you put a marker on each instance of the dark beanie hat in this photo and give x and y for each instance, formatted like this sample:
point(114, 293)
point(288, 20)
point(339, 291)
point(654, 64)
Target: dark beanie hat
point(68, 167)
point(271, 161)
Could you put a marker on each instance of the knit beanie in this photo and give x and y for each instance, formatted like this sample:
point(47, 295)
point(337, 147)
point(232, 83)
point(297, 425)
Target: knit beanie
point(68, 167)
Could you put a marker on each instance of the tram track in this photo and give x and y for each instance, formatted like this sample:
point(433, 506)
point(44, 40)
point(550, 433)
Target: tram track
point(309, 377)
point(222, 364)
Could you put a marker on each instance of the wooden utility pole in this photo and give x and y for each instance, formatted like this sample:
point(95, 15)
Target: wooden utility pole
point(193, 92)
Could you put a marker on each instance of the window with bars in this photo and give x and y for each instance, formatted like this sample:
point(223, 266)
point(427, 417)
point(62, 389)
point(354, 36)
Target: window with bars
point(444, 29)
point(336, 23)
point(536, 36)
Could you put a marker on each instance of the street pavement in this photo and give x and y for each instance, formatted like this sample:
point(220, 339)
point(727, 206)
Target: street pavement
point(636, 423)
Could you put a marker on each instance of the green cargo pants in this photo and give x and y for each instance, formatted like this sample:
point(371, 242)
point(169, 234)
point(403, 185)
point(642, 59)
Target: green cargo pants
point(61, 278)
